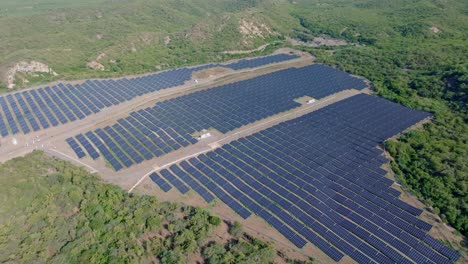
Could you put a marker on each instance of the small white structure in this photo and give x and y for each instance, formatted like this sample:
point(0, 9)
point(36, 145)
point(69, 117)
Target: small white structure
point(14, 141)
point(203, 136)
point(311, 101)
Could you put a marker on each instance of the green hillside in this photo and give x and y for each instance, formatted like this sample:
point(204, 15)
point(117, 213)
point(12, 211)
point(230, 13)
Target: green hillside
point(134, 36)
point(54, 212)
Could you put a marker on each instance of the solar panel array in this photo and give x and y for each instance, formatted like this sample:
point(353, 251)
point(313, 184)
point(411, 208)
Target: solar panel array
point(42, 108)
point(317, 178)
point(169, 125)
point(248, 63)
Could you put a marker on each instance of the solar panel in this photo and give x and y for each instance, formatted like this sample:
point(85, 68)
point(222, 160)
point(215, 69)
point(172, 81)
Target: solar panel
point(76, 148)
point(166, 174)
point(53, 107)
point(104, 151)
point(88, 147)
point(69, 102)
point(300, 198)
point(160, 182)
point(9, 116)
point(169, 124)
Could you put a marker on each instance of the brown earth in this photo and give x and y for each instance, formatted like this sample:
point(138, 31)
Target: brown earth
point(211, 72)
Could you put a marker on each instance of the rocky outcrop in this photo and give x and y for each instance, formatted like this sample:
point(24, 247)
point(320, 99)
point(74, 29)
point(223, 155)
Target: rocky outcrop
point(167, 40)
point(435, 30)
point(32, 67)
point(95, 64)
point(251, 29)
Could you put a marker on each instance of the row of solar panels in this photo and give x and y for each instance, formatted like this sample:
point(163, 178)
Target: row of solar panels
point(42, 108)
point(224, 108)
point(301, 181)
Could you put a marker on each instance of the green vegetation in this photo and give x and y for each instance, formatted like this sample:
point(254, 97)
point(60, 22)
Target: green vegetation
point(247, 250)
point(411, 63)
point(134, 36)
point(54, 212)
point(236, 229)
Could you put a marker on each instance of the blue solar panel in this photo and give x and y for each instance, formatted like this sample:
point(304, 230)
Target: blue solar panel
point(139, 147)
point(36, 110)
point(169, 124)
point(140, 137)
point(160, 182)
point(26, 112)
point(88, 147)
point(68, 102)
point(316, 177)
point(207, 196)
point(290, 190)
point(121, 156)
point(86, 103)
point(19, 116)
point(166, 174)
point(3, 127)
point(51, 104)
point(104, 151)
point(9, 116)
point(124, 145)
point(76, 148)
point(257, 62)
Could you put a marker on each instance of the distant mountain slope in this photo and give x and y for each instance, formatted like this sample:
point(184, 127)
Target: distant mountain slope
point(116, 37)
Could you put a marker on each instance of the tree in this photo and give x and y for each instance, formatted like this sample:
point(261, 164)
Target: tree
point(236, 229)
point(214, 253)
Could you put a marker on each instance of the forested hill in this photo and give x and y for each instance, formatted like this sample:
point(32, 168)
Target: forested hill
point(79, 39)
point(54, 212)
point(415, 53)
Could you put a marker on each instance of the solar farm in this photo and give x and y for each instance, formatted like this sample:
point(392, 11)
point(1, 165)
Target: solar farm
point(62, 103)
point(169, 125)
point(298, 147)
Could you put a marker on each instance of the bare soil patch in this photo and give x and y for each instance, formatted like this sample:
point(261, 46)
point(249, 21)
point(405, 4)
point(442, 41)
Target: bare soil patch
point(319, 41)
point(250, 29)
point(96, 64)
point(70, 213)
point(211, 72)
point(435, 30)
point(30, 68)
point(262, 47)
